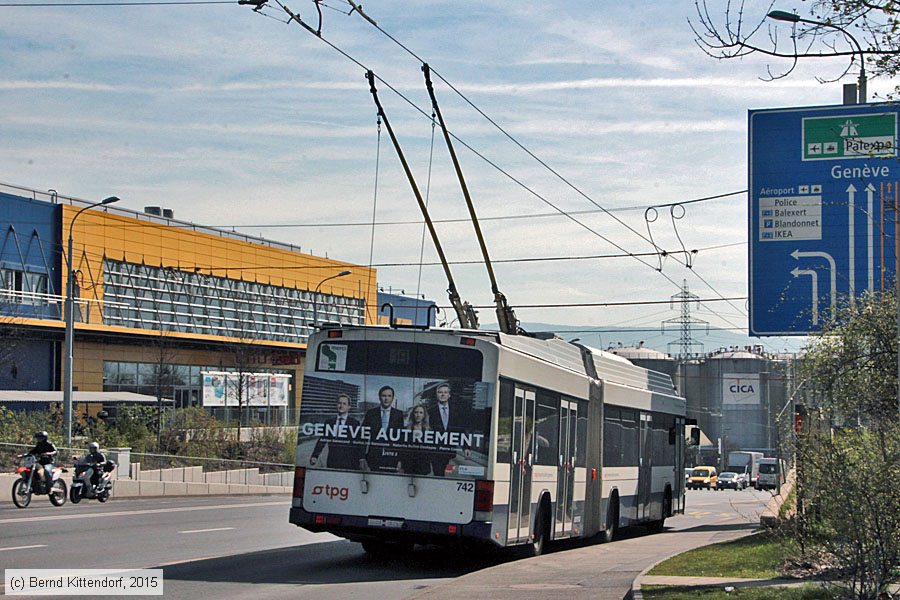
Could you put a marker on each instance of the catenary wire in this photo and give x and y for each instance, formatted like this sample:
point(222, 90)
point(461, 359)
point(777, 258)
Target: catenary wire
point(148, 3)
point(540, 161)
point(480, 155)
point(480, 218)
point(493, 164)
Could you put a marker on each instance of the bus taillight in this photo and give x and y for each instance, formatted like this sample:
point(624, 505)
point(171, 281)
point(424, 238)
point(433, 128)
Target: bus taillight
point(299, 480)
point(484, 500)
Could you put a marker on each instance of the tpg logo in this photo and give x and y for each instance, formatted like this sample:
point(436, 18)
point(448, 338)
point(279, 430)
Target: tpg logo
point(331, 491)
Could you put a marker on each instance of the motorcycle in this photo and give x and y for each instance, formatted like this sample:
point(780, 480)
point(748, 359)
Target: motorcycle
point(82, 488)
point(29, 483)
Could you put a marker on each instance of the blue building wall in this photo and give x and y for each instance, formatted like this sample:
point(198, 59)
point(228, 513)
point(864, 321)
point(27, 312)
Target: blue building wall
point(31, 365)
point(413, 309)
point(30, 262)
point(30, 255)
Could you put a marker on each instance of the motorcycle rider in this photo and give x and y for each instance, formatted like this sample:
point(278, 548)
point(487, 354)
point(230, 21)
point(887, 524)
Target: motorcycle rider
point(96, 460)
point(44, 451)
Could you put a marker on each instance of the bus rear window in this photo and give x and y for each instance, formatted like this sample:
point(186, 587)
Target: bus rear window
point(399, 358)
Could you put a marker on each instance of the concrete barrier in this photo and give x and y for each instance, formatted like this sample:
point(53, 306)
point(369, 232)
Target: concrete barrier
point(130, 488)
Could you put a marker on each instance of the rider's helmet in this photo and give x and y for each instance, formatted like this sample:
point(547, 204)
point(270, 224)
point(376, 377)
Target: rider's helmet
point(93, 447)
point(41, 436)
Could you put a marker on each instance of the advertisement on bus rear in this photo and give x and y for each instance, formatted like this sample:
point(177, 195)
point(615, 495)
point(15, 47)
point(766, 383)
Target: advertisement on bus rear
point(395, 407)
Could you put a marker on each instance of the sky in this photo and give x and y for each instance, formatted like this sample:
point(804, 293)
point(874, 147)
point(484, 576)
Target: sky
point(239, 120)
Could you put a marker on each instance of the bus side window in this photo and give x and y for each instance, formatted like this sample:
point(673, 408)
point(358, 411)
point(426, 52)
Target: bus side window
point(547, 429)
point(581, 434)
point(631, 439)
point(505, 422)
point(612, 438)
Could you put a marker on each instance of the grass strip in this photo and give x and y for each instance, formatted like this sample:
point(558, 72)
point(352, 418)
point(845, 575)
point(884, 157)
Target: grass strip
point(663, 592)
point(755, 556)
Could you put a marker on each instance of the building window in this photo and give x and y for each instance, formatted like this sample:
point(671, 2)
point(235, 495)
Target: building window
point(146, 297)
point(23, 287)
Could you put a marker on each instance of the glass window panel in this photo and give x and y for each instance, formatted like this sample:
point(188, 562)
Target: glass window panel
point(547, 428)
point(110, 373)
point(581, 434)
point(146, 374)
point(127, 373)
point(505, 422)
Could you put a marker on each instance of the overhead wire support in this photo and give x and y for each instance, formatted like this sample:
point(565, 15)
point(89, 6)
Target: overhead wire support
point(358, 9)
point(466, 314)
point(567, 182)
point(498, 167)
point(506, 316)
point(299, 21)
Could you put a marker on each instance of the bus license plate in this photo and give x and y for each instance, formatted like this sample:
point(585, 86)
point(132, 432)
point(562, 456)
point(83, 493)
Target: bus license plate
point(389, 523)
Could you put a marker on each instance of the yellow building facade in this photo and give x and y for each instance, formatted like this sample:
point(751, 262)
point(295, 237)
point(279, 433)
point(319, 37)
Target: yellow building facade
point(166, 306)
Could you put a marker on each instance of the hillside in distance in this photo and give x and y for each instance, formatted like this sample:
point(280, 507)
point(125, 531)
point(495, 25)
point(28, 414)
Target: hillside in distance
point(606, 337)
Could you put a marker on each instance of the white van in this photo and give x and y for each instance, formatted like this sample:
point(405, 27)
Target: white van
point(771, 470)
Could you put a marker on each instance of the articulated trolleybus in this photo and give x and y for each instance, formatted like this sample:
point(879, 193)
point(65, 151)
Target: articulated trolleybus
point(451, 436)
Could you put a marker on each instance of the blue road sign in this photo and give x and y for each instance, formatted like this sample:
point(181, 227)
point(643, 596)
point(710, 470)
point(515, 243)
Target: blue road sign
point(823, 211)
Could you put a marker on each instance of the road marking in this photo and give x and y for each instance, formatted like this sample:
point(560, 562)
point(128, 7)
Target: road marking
point(207, 530)
point(149, 511)
point(23, 547)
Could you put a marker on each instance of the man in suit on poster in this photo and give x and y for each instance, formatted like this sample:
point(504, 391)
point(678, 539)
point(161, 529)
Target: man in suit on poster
point(447, 415)
point(343, 452)
point(380, 457)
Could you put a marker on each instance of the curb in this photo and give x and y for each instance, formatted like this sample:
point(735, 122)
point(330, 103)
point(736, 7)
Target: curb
point(636, 593)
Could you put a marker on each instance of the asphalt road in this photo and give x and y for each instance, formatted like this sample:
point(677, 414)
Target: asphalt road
point(238, 547)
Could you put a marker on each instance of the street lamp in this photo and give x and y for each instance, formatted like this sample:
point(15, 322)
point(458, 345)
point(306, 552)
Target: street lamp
point(316, 293)
point(780, 15)
point(70, 323)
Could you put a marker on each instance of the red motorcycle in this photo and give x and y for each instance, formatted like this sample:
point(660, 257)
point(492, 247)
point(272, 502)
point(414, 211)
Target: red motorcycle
point(29, 483)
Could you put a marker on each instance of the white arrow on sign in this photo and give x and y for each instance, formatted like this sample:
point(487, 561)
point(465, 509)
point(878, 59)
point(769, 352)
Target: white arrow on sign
point(797, 254)
point(870, 192)
point(797, 272)
point(851, 197)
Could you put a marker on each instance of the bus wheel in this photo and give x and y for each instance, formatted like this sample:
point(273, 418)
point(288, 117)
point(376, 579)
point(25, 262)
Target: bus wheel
point(380, 549)
point(657, 526)
point(612, 519)
point(541, 533)
point(375, 548)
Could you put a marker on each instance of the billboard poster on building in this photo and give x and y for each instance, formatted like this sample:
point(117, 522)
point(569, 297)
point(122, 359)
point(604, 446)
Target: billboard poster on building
point(257, 390)
point(278, 390)
point(740, 389)
point(213, 389)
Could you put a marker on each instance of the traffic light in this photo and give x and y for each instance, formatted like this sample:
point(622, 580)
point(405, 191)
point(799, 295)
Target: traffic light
point(799, 417)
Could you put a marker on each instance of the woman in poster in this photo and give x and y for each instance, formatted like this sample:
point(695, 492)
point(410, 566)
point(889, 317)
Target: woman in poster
point(416, 461)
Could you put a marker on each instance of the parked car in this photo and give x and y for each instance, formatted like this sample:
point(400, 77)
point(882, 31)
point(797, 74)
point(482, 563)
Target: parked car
point(703, 477)
point(731, 480)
